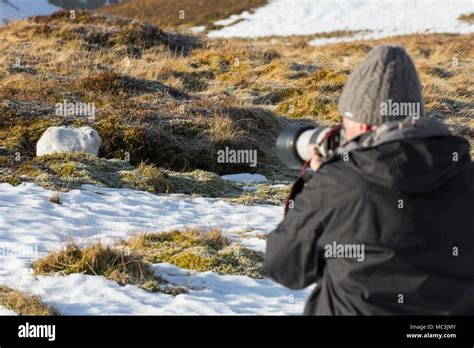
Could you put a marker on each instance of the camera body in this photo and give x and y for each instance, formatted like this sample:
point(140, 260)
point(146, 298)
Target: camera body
point(292, 143)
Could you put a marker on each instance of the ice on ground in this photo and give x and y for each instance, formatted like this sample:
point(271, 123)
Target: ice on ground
point(245, 178)
point(381, 18)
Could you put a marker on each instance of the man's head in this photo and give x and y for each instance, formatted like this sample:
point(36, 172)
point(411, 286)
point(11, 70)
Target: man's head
point(353, 128)
point(384, 87)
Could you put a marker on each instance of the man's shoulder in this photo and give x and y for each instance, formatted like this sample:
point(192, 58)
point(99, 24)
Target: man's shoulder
point(338, 174)
point(333, 184)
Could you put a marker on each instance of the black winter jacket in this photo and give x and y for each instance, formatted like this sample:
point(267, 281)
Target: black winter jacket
point(405, 195)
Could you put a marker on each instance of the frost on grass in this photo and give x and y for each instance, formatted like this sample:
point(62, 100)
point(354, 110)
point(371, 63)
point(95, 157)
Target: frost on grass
point(199, 250)
point(64, 172)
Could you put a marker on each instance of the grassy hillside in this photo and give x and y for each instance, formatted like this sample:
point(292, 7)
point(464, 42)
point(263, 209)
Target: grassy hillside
point(173, 100)
point(183, 13)
point(153, 100)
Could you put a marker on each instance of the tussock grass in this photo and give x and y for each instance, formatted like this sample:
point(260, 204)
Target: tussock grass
point(99, 260)
point(198, 250)
point(55, 198)
point(24, 304)
point(467, 18)
point(224, 130)
point(149, 177)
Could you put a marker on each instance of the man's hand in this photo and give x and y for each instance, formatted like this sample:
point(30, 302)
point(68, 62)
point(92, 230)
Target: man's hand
point(315, 159)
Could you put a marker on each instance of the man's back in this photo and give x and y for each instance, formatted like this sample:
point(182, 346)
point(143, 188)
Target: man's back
point(388, 231)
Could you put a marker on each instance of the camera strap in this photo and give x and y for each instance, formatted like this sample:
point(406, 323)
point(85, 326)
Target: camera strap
point(297, 186)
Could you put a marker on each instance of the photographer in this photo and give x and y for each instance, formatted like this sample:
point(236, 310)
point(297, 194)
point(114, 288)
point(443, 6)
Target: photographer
point(400, 189)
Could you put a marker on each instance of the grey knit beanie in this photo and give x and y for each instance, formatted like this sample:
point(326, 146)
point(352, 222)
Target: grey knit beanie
point(384, 87)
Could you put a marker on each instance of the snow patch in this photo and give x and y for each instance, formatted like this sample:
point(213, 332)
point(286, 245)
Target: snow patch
point(4, 311)
point(197, 30)
point(245, 178)
point(28, 218)
point(210, 294)
point(381, 18)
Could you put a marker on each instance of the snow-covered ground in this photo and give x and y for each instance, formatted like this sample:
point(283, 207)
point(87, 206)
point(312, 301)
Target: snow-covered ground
point(377, 18)
point(245, 178)
point(31, 226)
point(4, 311)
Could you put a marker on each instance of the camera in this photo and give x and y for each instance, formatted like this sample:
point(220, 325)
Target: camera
point(292, 143)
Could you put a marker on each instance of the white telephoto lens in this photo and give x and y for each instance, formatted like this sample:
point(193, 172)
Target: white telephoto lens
point(303, 142)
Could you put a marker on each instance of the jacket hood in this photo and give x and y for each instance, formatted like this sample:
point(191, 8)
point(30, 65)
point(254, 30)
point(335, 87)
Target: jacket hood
point(414, 156)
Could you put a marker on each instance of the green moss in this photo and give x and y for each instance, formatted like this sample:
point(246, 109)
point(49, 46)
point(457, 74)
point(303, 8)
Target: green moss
point(191, 260)
point(238, 260)
point(64, 169)
point(28, 170)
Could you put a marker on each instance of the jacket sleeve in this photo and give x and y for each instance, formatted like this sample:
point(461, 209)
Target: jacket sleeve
point(291, 257)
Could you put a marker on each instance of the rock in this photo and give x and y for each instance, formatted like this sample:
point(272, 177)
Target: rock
point(66, 140)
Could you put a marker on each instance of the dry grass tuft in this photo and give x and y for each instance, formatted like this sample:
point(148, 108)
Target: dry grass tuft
point(55, 198)
point(469, 18)
point(99, 260)
point(198, 250)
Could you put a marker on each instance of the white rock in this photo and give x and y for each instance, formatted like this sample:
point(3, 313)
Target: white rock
point(67, 140)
